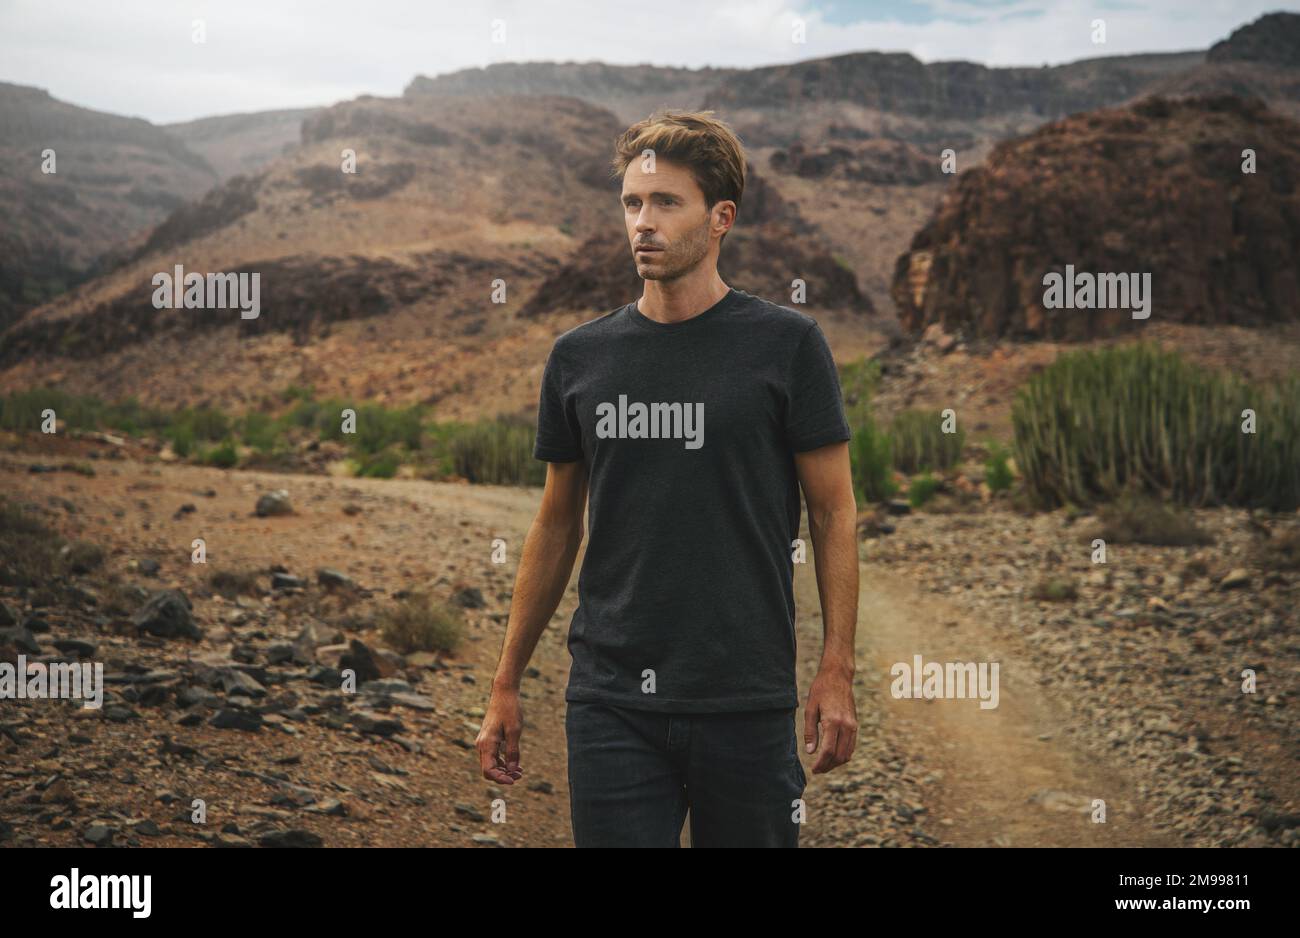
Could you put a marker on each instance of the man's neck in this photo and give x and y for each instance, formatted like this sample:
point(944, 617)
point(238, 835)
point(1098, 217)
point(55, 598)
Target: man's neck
point(677, 301)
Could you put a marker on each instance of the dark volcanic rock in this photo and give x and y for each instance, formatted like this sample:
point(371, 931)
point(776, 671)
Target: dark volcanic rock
point(236, 720)
point(1156, 188)
point(469, 597)
point(290, 838)
point(167, 614)
point(361, 660)
point(20, 638)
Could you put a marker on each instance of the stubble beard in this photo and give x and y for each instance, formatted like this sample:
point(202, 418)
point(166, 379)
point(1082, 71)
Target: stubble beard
point(681, 256)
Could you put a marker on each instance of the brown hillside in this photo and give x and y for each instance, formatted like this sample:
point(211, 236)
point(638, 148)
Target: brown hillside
point(381, 283)
point(449, 196)
point(242, 144)
point(115, 176)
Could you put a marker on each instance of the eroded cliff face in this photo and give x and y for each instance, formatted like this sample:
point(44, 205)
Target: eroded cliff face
point(1158, 188)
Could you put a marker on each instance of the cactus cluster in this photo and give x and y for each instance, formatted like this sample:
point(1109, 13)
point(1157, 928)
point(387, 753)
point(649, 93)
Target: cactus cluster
point(1098, 423)
point(921, 445)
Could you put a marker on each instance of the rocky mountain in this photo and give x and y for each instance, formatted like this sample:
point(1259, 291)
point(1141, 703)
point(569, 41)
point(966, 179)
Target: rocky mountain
point(1156, 188)
point(896, 96)
point(1259, 60)
point(631, 92)
point(1270, 40)
point(242, 144)
point(884, 162)
point(113, 178)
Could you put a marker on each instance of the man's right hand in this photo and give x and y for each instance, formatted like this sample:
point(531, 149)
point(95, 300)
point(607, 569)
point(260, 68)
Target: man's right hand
point(498, 739)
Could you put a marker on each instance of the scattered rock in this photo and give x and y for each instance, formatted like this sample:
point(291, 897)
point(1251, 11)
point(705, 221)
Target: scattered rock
point(284, 581)
point(230, 719)
point(469, 597)
point(1235, 579)
point(290, 838)
point(375, 724)
point(361, 660)
point(334, 579)
point(20, 638)
point(167, 614)
point(101, 835)
point(274, 503)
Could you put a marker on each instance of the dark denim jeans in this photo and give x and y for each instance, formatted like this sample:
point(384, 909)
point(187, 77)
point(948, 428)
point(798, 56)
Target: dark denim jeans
point(634, 773)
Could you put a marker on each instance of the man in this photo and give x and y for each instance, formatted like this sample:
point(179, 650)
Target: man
point(693, 415)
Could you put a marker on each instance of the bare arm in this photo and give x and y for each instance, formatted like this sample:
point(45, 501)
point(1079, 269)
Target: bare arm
point(830, 718)
point(545, 565)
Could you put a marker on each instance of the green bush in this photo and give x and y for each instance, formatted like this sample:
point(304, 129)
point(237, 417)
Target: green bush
point(997, 472)
point(921, 490)
point(497, 452)
point(920, 445)
point(1054, 590)
point(872, 466)
point(21, 411)
point(210, 423)
point(858, 383)
point(260, 431)
point(1095, 424)
point(378, 466)
point(379, 427)
point(223, 455)
point(182, 440)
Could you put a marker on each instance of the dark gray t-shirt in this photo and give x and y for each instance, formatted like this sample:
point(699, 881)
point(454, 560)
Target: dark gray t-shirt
point(688, 431)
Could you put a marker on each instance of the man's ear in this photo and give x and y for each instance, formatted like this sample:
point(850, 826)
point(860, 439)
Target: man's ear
point(725, 211)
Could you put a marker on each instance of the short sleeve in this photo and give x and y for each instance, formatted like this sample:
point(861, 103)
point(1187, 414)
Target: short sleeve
point(814, 404)
point(559, 436)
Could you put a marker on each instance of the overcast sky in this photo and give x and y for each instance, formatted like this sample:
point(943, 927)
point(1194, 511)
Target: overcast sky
point(138, 57)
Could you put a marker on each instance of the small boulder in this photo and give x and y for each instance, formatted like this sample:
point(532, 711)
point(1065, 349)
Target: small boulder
point(274, 503)
point(1236, 579)
point(167, 614)
point(334, 579)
